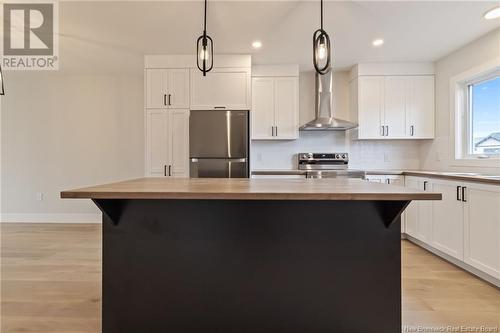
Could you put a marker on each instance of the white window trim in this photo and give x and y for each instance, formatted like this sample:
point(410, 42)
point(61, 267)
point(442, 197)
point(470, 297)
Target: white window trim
point(459, 115)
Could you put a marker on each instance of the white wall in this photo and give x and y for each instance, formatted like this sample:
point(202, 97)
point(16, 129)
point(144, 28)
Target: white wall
point(61, 131)
point(439, 153)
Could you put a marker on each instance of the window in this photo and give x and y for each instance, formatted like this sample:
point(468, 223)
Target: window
point(483, 113)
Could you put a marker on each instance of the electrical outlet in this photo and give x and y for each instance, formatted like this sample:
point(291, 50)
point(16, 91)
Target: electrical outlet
point(39, 196)
point(387, 157)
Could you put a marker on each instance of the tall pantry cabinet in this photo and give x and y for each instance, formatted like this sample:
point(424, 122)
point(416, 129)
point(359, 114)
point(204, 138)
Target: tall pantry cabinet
point(167, 122)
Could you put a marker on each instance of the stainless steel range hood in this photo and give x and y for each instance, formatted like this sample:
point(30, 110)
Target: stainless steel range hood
point(324, 120)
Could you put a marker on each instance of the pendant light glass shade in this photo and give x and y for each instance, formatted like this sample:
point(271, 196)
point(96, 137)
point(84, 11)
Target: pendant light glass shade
point(205, 49)
point(2, 91)
point(321, 49)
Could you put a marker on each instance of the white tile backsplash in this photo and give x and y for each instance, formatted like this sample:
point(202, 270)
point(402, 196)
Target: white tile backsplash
point(278, 155)
point(363, 154)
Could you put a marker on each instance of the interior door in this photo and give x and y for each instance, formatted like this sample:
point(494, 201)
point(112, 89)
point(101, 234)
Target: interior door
point(286, 108)
point(262, 108)
point(421, 107)
point(179, 142)
point(156, 88)
point(178, 88)
point(370, 106)
point(394, 115)
point(448, 219)
point(158, 142)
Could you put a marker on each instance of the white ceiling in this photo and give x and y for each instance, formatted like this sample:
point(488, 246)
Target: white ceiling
point(116, 34)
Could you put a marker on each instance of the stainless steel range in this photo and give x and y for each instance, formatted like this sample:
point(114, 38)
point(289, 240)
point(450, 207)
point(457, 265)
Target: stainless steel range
point(327, 165)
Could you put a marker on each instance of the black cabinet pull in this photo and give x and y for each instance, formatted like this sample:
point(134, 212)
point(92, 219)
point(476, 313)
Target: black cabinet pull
point(165, 99)
point(458, 193)
point(463, 194)
point(169, 99)
point(169, 170)
point(425, 186)
point(276, 130)
point(165, 170)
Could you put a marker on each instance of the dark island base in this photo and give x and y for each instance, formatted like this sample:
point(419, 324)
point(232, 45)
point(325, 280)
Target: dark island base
point(186, 266)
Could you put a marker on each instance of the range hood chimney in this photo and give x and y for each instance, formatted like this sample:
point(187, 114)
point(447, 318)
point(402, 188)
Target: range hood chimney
point(324, 120)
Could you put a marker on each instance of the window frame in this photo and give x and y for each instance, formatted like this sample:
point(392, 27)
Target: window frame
point(468, 135)
point(459, 122)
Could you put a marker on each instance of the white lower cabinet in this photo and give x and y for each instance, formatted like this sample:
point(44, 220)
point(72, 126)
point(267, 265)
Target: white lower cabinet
point(482, 227)
point(419, 213)
point(167, 146)
point(464, 225)
point(447, 218)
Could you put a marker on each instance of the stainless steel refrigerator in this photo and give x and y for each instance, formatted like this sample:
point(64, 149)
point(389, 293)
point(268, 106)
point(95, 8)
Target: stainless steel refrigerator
point(218, 144)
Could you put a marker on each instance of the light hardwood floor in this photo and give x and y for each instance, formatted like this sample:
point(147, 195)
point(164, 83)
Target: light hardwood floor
point(50, 283)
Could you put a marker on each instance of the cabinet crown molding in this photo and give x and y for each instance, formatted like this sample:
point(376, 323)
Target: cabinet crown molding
point(189, 61)
point(275, 70)
point(413, 68)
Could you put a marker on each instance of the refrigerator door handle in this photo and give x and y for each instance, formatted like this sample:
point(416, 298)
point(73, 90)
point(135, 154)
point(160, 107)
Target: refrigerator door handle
point(232, 160)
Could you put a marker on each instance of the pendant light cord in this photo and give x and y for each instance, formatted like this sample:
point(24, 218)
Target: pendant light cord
point(205, 23)
point(321, 14)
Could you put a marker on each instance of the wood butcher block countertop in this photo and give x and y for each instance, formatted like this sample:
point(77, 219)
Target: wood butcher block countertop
point(250, 189)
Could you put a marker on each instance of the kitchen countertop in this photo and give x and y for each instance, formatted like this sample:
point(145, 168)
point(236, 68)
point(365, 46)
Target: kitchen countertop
point(250, 189)
point(462, 176)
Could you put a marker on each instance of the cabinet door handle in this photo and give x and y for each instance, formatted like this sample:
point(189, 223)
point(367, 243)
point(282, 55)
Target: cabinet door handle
point(165, 99)
point(169, 170)
point(276, 130)
point(388, 181)
point(382, 128)
point(219, 107)
point(463, 194)
point(425, 185)
point(165, 170)
point(459, 198)
point(169, 99)
point(387, 131)
point(272, 130)
point(412, 130)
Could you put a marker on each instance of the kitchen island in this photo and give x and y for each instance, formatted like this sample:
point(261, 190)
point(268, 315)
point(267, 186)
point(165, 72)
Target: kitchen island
point(251, 255)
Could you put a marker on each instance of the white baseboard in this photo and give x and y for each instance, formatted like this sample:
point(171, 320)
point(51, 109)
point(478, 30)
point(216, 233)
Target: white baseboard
point(51, 218)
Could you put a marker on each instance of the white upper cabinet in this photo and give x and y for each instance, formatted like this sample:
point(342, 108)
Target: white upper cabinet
point(393, 101)
point(275, 107)
point(370, 107)
point(221, 88)
point(167, 143)
point(420, 115)
point(167, 88)
point(262, 108)
point(156, 88)
point(178, 89)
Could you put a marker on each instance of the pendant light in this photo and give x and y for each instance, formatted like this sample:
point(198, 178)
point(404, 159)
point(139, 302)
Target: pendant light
point(205, 49)
point(321, 48)
point(2, 91)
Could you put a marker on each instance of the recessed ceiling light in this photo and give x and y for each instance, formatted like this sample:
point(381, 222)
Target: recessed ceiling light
point(257, 44)
point(378, 42)
point(492, 13)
